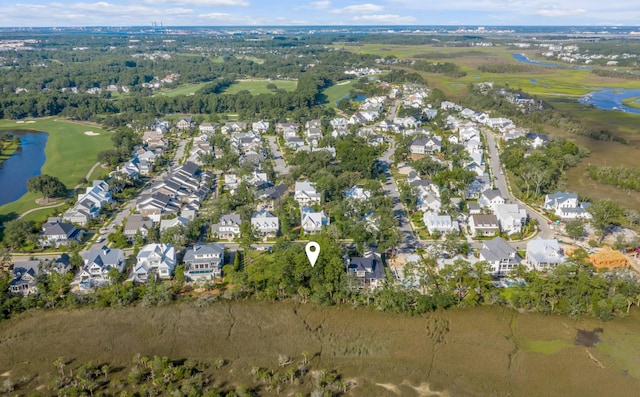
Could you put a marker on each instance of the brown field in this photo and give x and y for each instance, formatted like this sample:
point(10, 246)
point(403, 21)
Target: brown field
point(471, 352)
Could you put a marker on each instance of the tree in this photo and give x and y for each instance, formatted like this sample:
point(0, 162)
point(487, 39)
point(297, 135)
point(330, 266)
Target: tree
point(17, 233)
point(575, 229)
point(604, 213)
point(48, 186)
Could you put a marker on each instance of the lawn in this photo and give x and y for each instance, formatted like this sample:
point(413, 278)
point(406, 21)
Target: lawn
point(70, 154)
point(256, 87)
point(487, 351)
point(337, 92)
point(187, 89)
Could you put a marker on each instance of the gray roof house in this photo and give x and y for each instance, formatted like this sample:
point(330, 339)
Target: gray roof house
point(484, 225)
point(228, 227)
point(204, 262)
point(137, 223)
point(368, 270)
point(542, 254)
point(489, 198)
point(97, 263)
point(56, 233)
point(25, 276)
point(502, 258)
point(154, 259)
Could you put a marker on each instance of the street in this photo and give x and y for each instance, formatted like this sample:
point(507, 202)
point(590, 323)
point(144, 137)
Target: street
point(281, 168)
point(501, 183)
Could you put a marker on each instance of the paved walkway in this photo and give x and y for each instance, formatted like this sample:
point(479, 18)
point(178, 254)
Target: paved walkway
point(71, 194)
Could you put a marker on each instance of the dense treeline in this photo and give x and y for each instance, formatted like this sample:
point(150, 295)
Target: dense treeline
point(620, 74)
point(538, 171)
point(505, 68)
point(618, 176)
point(446, 68)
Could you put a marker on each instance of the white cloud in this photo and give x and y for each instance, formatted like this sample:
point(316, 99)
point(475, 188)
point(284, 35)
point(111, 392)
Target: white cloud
point(202, 3)
point(320, 5)
point(555, 12)
point(367, 8)
point(385, 19)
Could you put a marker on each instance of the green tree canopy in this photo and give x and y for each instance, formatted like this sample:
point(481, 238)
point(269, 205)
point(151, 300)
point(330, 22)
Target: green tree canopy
point(47, 185)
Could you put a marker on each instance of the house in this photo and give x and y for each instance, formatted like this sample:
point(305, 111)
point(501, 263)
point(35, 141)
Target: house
point(511, 218)
point(265, 223)
point(339, 123)
point(228, 227)
point(483, 225)
point(207, 128)
point(567, 206)
point(185, 123)
point(204, 262)
point(173, 222)
point(260, 126)
point(477, 186)
point(156, 205)
point(474, 209)
point(440, 223)
point(294, 142)
point(502, 258)
point(25, 278)
point(137, 224)
point(426, 145)
point(543, 254)
point(273, 196)
point(305, 193)
point(358, 193)
point(154, 259)
point(233, 127)
point(97, 264)
point(81, 213)
point(537, 140)
point(56, 233)
point(312, 221)
point(368, 270)
point(490, 198)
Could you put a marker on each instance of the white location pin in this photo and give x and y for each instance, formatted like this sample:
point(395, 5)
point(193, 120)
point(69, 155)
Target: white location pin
point(313, 250)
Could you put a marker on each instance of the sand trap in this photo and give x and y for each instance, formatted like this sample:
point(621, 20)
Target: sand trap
point(30, 122)
point(344, 82)
point(91, 133)
point(20, 122)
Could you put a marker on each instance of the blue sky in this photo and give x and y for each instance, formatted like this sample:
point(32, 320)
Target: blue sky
point(319, 12)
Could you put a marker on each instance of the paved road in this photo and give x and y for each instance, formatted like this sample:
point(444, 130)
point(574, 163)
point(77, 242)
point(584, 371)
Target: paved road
point(130, 206)
point(501, 184)
point(281, 168)
point(409, 241)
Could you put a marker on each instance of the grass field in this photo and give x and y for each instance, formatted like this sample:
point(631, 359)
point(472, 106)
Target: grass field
point(337, 92)
point(70, 154)
point(186, 89)
point(256, 87)
point(632, 102)
point(471, 352)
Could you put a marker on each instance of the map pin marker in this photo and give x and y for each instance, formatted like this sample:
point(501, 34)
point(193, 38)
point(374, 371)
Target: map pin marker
point(313, 250)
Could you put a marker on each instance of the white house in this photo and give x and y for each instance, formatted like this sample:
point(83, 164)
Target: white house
point(305, 193)
point(228, 227)
point(502, 258)
point(204, 262)
point(542, 254)
point(158, 259)
point(483, 225)
point(358, 193)
point(426, 145)
point(56, 233)
point(511, 218)
point(312, 221)
point(490, 198)
point(440, 223)
point(97, 263)
point(265, 223)
point(567, 206)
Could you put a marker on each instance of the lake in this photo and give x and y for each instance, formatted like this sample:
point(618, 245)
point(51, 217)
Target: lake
point(523, 58)
point(25, 163)
point(611, 99)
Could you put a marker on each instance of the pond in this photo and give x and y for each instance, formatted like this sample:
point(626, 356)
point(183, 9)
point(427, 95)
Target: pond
point(25, 163)
point(611, 99)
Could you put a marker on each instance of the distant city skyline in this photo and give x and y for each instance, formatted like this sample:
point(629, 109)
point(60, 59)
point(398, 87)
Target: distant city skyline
point(39, 13)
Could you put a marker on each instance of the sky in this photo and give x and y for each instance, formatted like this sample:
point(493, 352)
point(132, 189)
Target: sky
point(34, 13)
